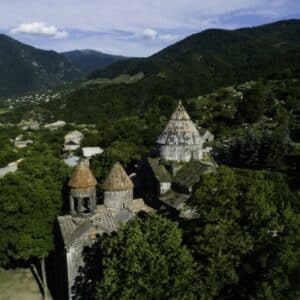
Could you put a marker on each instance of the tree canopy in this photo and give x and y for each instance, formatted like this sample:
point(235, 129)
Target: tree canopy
point(30, 201)
point(146, 260)
point(246, 241)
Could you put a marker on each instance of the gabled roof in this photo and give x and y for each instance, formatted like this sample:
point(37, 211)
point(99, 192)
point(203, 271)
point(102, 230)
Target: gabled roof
point(82, 177)
point(117, 179)
point(190, 173)
point(160, 172)
point(180, 129)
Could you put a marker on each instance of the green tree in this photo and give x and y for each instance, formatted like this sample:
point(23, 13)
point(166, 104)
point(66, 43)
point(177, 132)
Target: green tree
point(146, 260)
point(246, 241)
point(30, 201)
point(252, 108)
point(124, 152)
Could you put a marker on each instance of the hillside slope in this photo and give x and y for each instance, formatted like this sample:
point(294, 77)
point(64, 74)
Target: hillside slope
point(25, 68)
point(181, 72)
point(90, 60)
point(215, 53)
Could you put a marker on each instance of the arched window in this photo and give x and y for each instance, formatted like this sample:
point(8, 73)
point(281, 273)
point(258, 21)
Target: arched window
point(76, 205)
point(86, 205)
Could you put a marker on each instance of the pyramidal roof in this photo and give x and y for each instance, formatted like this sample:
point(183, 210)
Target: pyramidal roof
point(82, 177)
point(117, 179)
point(180, 114)
point(180, 129)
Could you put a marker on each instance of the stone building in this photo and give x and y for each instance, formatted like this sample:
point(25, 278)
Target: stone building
point(183, 156)
point(83, 191)
point(165, 180)
point(180, 140)
point(88, 219)
point(118, 188)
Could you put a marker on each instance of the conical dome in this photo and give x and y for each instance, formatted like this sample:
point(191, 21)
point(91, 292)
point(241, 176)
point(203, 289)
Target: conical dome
point(180, 129)
point(117, 179)
point(82, 177)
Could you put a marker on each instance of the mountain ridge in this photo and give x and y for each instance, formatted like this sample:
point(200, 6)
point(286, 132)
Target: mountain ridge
point(89, 60)
point(25, 68)
point(208, 42)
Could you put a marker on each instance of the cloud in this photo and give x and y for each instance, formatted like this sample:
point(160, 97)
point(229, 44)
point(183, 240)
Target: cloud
point(150, 34)
point(145, 26)
point(39, 29)
point(153, 35)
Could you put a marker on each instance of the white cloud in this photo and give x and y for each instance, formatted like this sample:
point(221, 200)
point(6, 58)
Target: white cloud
point(150, 34)
point(40, 29)
point(154, 35)
point(150, 24)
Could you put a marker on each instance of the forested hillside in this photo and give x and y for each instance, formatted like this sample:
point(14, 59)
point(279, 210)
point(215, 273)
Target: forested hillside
point(90, 60)
point(24, 68)
point(215, 57)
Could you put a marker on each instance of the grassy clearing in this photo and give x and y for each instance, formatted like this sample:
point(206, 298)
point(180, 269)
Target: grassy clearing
point(18, 284)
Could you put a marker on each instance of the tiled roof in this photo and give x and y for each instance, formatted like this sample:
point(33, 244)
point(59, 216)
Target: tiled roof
point(190, 173)
point(82, 177)
point(160, 172)
point(180, 130)
point(74, 228)
point(117, 179)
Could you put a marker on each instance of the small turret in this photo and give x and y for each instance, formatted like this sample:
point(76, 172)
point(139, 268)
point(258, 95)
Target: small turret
point(118, 188)
point(83, 191)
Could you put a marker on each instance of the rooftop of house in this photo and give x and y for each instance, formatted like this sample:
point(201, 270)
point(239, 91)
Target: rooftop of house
point(74, 136)
point(91, 151)
point(117, 179)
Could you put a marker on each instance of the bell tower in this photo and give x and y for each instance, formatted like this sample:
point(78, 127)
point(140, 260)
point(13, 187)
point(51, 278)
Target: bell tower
point(83, 191)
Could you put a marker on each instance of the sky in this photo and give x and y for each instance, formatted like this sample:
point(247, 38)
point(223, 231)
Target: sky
point(130, 27)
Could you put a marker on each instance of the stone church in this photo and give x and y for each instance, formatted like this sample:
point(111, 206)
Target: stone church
point(87, 219)
point(164, 180)
point(182, 156)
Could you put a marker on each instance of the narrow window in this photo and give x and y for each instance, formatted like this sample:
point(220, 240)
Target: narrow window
point(86, 206)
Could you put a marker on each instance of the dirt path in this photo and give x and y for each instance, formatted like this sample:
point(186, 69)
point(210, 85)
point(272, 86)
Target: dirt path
point(18, 284)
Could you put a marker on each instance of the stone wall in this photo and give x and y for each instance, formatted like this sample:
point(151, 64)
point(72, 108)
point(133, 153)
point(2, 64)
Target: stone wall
point(80, 196)
point(75, 260)
point(119, 199)
point(164, 187)
point(183, 153)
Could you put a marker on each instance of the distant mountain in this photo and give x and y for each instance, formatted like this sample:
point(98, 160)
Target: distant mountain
point(197, 65)
point(90, 60)
point(217, 57)
point(24, 68)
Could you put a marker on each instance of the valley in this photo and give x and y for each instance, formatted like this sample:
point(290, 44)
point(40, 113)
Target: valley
point(180, 169)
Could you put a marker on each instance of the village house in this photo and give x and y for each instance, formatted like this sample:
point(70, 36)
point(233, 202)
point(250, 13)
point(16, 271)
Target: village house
point(20, 143)
point(72, 141)
point(56, 125)
point(88, 152)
